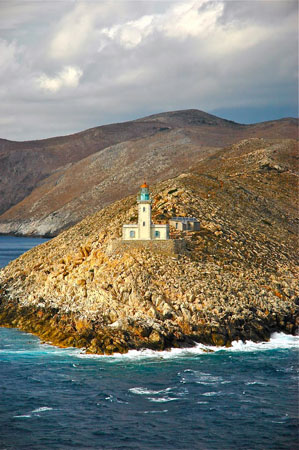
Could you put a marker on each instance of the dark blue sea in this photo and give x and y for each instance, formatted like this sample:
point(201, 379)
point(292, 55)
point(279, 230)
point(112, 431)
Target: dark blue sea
point(245, 397)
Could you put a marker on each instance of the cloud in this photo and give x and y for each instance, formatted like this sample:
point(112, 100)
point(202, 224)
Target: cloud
point(77, 30)
point(68, 77)
point(72, 32)
point(192, 19)
point(181, 21)
point(8, 56)
point(139, 58)
point(131, 33)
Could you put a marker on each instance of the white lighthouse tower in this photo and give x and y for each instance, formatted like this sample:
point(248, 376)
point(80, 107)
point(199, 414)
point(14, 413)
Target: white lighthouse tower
point(144, 212)
point(145, 230)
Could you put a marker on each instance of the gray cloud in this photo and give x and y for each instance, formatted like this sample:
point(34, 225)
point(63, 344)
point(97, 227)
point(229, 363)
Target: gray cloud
point(66, 66)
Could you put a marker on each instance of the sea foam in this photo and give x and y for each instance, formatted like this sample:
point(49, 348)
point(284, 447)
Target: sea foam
point(145, 391)
point(277, 341)
point(41, 409)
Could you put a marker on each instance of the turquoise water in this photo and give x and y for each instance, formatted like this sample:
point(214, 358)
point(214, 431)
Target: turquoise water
point(245, 397)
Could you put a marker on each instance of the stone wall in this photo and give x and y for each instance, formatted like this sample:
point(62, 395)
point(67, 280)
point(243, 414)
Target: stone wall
point(170, 247)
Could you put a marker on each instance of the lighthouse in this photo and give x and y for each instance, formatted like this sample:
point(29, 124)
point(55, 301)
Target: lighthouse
point(145, 230)
point(144, 212)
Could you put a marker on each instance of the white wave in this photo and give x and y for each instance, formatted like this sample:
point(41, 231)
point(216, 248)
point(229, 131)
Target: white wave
point(35, 411)
point(156, 412)
point(211, 394)
point(162, 399)
point(144, 391)
point(134, 355)
point(201, 377)
point(277, 341)
point(41, 409)
point(195, 376)
point(23, 416)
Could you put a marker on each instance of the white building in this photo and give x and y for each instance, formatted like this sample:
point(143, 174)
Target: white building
point(145, 229)
point(185, 223)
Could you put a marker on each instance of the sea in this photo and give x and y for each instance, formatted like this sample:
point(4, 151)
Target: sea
point(243, 397)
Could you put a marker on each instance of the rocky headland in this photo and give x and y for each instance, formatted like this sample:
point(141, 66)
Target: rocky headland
point(237, 279)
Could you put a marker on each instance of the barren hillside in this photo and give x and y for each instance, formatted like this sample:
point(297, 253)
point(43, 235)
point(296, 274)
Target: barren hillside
point(48, 185)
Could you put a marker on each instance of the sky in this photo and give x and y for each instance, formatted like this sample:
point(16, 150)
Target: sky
point(67, 65)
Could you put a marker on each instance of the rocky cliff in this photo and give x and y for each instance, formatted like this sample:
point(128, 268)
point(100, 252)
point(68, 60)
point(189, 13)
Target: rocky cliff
point(236, 281)
point(48, 185)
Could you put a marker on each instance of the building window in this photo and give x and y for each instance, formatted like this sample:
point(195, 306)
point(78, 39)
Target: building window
point(143, 223)
point(157, 234)
point(132, 234)
point(176, 226)
point(144, 209)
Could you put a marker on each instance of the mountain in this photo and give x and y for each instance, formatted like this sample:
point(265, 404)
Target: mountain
point(236, 280)
point(50, 184)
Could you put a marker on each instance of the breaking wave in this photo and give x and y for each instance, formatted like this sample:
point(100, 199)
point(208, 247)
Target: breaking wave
point(277, 341)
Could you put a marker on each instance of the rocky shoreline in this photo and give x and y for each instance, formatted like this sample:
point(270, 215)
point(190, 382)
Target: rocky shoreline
point(68, 331)
point(237, 279)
